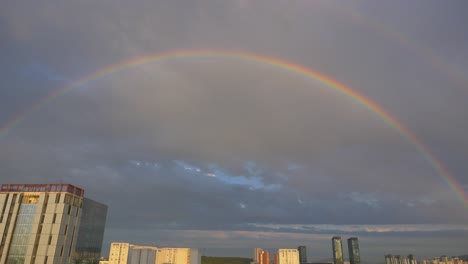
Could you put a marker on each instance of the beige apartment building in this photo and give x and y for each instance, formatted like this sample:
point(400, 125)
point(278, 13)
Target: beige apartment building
point(40, 223)
point(288, 256)
point(126, 253)
point(173, 256)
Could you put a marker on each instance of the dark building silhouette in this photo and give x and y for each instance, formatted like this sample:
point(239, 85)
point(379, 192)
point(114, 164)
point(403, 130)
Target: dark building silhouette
point(353, 250)
point(302, 254)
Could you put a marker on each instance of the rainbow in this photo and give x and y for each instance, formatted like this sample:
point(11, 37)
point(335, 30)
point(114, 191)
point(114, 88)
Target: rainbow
point(282, 64)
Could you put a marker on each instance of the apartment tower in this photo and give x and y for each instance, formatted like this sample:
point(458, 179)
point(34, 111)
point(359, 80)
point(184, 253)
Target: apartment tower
point(177, 256)
point(353, 250)
point(337, 250)
point(302, 254)
point(125, 253)
point(288, 256)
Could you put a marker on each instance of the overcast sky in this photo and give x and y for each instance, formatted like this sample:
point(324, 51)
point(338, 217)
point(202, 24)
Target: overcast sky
point(226, 154)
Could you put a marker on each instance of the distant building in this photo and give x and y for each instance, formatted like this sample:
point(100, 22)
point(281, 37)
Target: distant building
point(388, 259)
point(125, 253)
point(438, 260)
point(398, 259)
point(337, 250)
point(256, 255)
point(264, 257)
point(177, 256)
point(276, 261)
point(49, 223)
point(302, 254)
point(288, 256)
point(141, 255)
point(118, 253)
point(353, 250)
point(404, 260)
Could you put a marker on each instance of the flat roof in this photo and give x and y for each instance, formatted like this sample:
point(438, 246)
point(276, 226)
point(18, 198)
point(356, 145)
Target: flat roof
point(47, 187)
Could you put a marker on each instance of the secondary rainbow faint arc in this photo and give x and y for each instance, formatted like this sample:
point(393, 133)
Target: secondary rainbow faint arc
point(285, 65)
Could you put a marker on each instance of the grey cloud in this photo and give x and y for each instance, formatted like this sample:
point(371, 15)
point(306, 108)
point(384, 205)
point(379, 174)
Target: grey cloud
point(350, 166)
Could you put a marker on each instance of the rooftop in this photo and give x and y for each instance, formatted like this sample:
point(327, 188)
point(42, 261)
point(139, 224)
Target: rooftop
point(48, 187)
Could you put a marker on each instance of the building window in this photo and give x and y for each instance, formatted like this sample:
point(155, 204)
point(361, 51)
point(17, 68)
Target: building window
point(69, 209)
point(57, 198)
point(4, 207)
point(66, 229)
point(54, 218)
point(45, 260)
point(68, 199)
point(50, 240)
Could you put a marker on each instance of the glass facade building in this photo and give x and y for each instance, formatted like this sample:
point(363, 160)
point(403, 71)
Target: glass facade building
point(353, 250)
point(40, 223)
point(91, 232)
point(22, 234)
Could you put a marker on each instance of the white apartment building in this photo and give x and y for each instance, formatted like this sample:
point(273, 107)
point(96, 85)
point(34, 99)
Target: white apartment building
point(125, 253)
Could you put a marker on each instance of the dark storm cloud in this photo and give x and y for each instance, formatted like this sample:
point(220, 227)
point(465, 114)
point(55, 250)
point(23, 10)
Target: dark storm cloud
point(215, 149)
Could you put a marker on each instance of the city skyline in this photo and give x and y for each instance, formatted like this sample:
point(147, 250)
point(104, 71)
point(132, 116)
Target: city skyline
point(228, 125)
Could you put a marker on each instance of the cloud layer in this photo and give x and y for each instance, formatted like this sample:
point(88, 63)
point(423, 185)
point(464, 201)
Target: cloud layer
point(238, 152)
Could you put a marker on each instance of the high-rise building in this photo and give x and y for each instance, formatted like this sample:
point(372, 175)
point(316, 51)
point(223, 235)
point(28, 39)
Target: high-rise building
point(337, 250)
point(40, 223)
point(177, 256)
point(404, 260)
point(302, 254)
point(398, 259)
point(276, 261)
point(118, 253)
point(256, 256)
point(91, 231)
point(125, 253)
point(265, 257)
point(288, 256)
point(389, 259)
point(353, 250)
point(444, 258)
point(412, 259)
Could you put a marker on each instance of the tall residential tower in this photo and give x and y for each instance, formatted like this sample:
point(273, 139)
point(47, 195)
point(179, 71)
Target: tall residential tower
point(337, 250)
point(302, 254)
point(288, 256)
point(353, 250)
